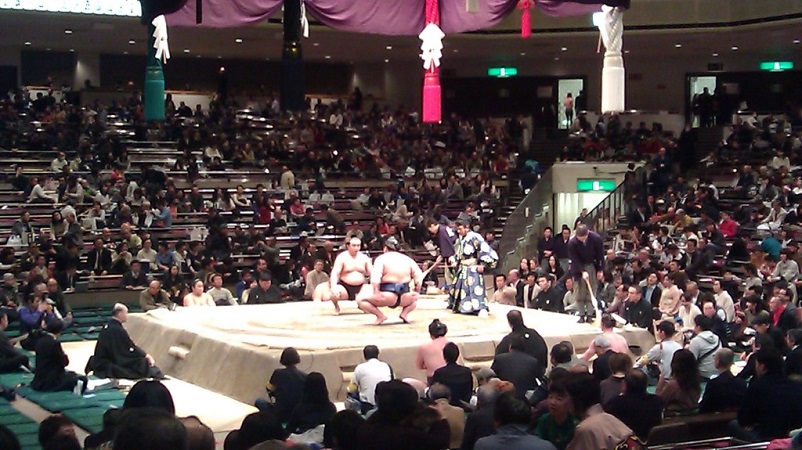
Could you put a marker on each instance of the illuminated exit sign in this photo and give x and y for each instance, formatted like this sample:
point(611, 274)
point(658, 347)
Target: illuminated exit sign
point(776, 66)
point(595, 185)
point(502, 72)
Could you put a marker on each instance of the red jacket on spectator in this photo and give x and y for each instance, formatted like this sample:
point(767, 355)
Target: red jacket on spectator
point(729, 228)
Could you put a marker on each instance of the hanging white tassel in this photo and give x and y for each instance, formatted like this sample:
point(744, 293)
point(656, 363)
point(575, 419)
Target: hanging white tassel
point(431, 46)
point(304, 20)
point(160, 39)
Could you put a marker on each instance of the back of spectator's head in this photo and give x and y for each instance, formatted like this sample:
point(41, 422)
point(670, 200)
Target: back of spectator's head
point(342, 430)
point(762, 320)
point(511, 410)
point(54, 326)
point(607, 321)
point(795, 336)
point(55, 425)
point(256, 427)
point(289, 357)
point(484, 374)
point(601, 342)
point(703, 322)
point(438, 391)
point(517, 342)
point(199, 436)
point(8, 440)
point(152, 429)
point(636, 381)
point(620, 363)
point(370, 352)
point(487, 394)
point(771, 359)
point(667, 327)
point(560, 354)
point(584, 391)
point(150, 394)
point(515, 319)
point(437, 328)
point(63, 442)
point(451, 353)
point(396, 400)
point(723, 358)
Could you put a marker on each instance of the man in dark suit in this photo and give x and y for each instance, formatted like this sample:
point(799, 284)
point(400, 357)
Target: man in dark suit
point(638, 409)
point(534, 343)
point(518, 367)
point(98, 260)
point(481, 423)
point(116, 355)
point(459, 379)
point(724, 392)
point(793, 362)
point(549, 298)
point(514, 280)
point(11, 359)
point(135, 278)
point(601, 365)
point(773, 403)
point(50, 374)
point(637, 311)
point(652, 291)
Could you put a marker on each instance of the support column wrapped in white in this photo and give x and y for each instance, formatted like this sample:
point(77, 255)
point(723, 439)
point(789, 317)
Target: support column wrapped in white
point(611, 26)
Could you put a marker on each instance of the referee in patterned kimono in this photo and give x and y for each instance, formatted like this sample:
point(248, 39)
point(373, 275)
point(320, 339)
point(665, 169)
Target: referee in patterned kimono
point(472, 254)
point(586, 253)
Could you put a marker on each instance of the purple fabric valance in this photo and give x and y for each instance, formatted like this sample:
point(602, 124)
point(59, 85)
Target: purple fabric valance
point(389, 17)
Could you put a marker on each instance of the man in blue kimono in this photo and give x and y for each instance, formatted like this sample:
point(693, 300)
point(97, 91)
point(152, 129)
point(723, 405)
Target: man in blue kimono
point(472, 255)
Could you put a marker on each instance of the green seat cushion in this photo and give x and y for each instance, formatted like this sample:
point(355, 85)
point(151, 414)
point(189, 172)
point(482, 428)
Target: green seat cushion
point(57, 405)
point(90, 336)
point(70, 338)
point(25, 428)
point(15, 419)
point(6, 410)
point(106, 395)
point(90, 419)
point(15, 378)
point(29, 441)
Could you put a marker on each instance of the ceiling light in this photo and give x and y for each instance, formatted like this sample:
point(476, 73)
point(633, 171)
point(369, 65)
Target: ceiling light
point(48, 49)
point(386, 60)
point(219, 57)
point(67, 31)
point(735, 48)
point(197, 56)
point(238, 40)
point(131, 42)
point(125, 53)
point(389, 47)
point(677, 45)
point(316, 44)
point(626, 52)
point(715, 55)
point(556, 58)
point(28, 43)
point(72, 50)
point(186, 50)
point(523, 53)
point(796, 41)
point(455, 50)
point(564, 49)
point(327, 57)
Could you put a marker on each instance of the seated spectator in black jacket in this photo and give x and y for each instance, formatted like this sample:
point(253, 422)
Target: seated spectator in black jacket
point(135, 278)
point(51, 362)
point(724, 392)
point(458, 378)
point(518, 367)
point(11, 359)
point(635, 407)
point(793, 362)
point(637, 311)
point(481, 423)
point(773, 403)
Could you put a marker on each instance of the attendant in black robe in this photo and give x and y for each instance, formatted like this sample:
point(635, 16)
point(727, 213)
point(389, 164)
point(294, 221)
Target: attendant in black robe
point(11, 359)
point(116, 355)
point(50, 374)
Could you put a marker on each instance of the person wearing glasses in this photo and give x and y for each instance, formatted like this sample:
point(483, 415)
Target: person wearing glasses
point(351, 269)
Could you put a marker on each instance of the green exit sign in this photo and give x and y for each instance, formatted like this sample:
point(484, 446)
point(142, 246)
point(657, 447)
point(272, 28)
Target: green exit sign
point(776, 66)
point(593, 184)
point(502, 72)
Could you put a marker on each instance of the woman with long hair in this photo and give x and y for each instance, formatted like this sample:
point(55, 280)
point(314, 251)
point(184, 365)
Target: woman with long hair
point(554, 268)
point(315, 408)
point(174, 284)
point(682, 392)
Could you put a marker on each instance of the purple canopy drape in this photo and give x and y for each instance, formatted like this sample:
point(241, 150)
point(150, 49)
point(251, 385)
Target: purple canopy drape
point(390, 17)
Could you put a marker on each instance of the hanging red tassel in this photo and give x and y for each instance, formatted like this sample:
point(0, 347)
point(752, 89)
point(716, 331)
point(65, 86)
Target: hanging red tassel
point(432, 112)
point(526, 17)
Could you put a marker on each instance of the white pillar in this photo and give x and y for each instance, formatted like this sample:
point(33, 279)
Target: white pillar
point(87, 67)
point(613, 83)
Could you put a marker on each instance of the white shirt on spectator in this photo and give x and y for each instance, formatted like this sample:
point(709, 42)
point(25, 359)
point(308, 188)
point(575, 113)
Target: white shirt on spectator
point(367, 375)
